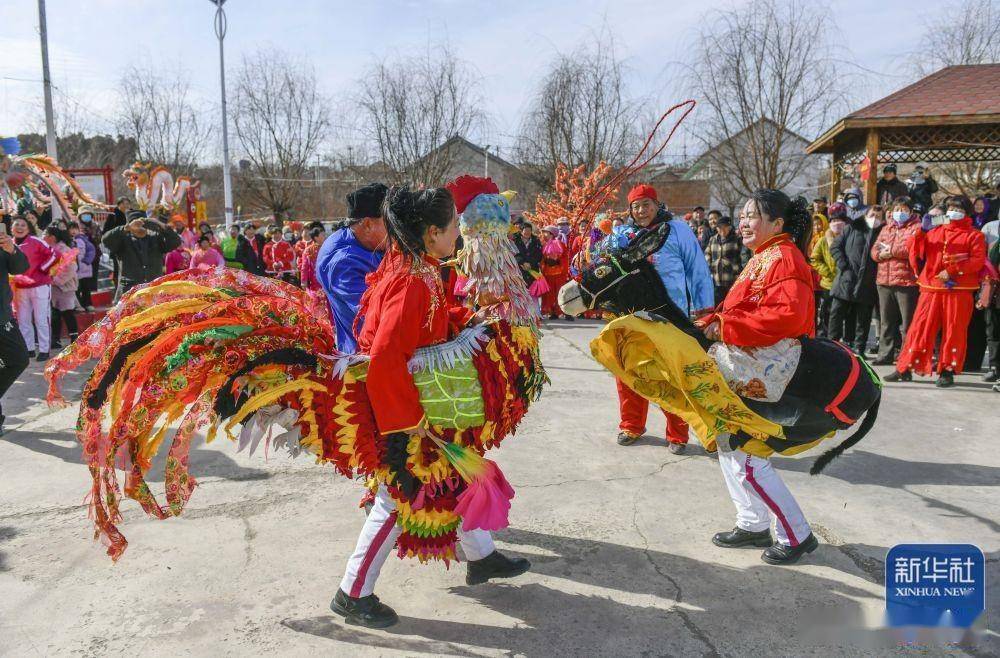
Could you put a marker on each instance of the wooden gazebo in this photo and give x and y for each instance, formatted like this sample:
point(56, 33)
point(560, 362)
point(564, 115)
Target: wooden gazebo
point(952, 115)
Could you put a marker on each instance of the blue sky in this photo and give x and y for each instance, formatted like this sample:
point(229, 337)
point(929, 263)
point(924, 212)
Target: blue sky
point(509, 43)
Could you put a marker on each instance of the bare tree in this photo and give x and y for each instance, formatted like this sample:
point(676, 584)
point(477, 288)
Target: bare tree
point(970, 35)
point(580, 113)
point(412, 106)
point(157, 111)
point(281, 119)
point(762, 72)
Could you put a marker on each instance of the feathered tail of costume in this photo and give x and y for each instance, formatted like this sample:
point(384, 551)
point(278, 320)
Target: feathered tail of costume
point(219, 348)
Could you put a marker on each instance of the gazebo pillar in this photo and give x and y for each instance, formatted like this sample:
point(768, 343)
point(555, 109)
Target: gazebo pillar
point(872, 145)
point(835, 175)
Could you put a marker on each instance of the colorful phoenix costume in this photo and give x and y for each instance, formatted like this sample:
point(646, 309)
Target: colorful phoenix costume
point(221, 348)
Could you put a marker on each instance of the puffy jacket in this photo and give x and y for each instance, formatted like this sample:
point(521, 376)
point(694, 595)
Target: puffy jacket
point(86, 254)
point(851, 250)
point(279, 256)
point(141, 259)
point(822, 261)
point(40, 258)
point(886, 191)
point(956, 247)
point(895, 270)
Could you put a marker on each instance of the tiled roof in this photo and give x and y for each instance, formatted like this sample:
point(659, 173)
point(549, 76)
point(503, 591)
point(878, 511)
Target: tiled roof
point(953, 91)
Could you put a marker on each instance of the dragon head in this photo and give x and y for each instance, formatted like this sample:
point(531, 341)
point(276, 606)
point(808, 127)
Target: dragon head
point(137, 175)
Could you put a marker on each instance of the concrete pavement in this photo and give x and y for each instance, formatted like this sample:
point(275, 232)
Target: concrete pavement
point(619, 539)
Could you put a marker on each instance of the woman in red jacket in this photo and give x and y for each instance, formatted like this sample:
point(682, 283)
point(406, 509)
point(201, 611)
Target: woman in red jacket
point(895, 280)
point(771, 300)
point(405, 308)
point(33, 289)
point(949, 260)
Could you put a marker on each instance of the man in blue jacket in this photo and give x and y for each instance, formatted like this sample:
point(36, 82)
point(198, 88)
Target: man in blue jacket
point(349, 255)
point(681, 264)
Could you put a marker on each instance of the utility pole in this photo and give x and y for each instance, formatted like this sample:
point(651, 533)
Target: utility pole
point(486, 161)
point(50, 123)
point(227, 181)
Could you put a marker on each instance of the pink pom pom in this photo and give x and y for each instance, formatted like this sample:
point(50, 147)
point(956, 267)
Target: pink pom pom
point(485, 503)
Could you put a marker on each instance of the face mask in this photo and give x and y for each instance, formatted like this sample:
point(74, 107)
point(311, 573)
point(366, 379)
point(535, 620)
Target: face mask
point(900, 216)
point(955, 215)
point(917, 179)
point(86, 218)
point(938, 220)
point(870, 221)
point(853, 203)
point(836, 227)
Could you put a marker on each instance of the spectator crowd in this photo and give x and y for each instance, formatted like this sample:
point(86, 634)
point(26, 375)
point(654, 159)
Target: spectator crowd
point(924, 270)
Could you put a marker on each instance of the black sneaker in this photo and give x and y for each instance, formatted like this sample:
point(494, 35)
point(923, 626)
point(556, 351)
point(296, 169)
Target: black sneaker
point(883, 361)
point(495, 565)
point(31, 354)
point(945, 380)
point(42, 356)
point(782, 554)
point(366, 611)
point(738, 537)
point(55, 345)
point(676, 448)
point(627, 439)
point(992, 376)
point(896, 376)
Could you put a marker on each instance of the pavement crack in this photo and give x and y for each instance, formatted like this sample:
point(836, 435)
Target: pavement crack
point(689, 623)
point(872, 568)
point(249, 534)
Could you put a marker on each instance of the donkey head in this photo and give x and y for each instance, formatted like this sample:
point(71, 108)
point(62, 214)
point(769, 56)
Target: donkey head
point(623, 281)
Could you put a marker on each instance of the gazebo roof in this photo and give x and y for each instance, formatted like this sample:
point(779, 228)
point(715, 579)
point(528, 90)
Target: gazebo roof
point(956, 95)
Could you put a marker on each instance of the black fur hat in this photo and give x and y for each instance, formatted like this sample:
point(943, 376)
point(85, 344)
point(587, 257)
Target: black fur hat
point(366, 201)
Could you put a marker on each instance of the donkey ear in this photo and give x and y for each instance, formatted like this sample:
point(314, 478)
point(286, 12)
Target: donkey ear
point(647, 244)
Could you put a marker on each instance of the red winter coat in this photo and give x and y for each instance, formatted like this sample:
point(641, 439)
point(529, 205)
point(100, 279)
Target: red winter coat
point(41, 257)
point(896, 269)
point(956, 247)
point(279, 257)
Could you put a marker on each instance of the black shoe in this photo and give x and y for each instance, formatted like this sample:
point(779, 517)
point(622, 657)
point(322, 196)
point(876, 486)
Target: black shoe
point(676, 448)
point(366, 611)
point(896, 376)
point(785, 554)
point(626, 439)
point(884, 361)
point(42, 356)
point(495, 565)
point(991, 376)
point(31, 354)
point(55, 345)
point(945, 380)
point(738, 537)
point(569, 318)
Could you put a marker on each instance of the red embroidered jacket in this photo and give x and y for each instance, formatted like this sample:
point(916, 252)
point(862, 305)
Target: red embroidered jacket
point(771, 299)
point(956, 247)
point(279, 256)
point(404, 308)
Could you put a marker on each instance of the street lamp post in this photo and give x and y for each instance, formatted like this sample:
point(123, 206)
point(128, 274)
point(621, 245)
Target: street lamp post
point(50, 124)
point(227, 182)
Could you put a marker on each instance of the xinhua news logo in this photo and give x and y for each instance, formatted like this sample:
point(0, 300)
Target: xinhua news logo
point(935, 585)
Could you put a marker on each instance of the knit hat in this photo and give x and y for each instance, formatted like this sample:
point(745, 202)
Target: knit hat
point(135, 214)
point(366, 201)
point(837, 211)
point(642, 191)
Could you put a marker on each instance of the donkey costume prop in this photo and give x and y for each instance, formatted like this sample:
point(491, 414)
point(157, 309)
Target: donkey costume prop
point(828, 389)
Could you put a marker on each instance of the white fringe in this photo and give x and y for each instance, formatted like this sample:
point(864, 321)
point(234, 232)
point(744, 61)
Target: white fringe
point(446, 355)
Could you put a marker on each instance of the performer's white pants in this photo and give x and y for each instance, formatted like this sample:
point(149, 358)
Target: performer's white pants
point(378, 536)
point(34, 313)
point(758, 492)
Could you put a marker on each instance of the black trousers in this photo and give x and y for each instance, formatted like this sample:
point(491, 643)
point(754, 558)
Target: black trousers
point(993, 337)
point(850, 323)
point(59, 318)
point(897, 304)
point(721, 292)
point(823, 300)
point(86, 288)
point(13, 356)
point(976, 341)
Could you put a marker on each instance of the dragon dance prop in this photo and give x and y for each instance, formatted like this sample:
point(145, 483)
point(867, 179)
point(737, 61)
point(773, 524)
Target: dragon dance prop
point(217, 349)
point(155, 187)
point(36, 181)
